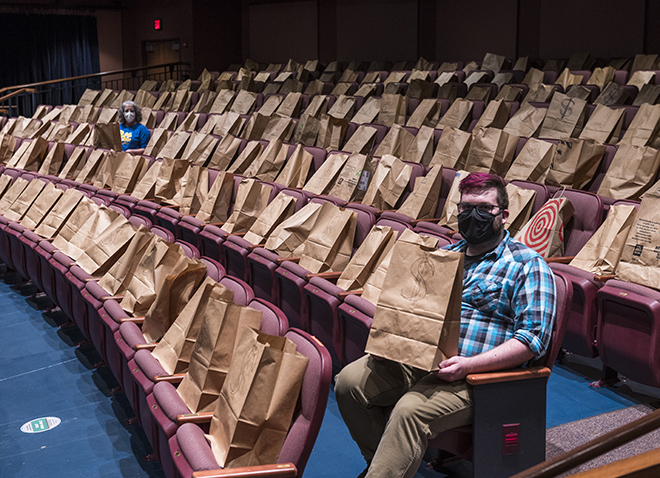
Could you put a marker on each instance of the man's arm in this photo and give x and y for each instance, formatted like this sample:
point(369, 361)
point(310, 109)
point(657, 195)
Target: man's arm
point(511, 353)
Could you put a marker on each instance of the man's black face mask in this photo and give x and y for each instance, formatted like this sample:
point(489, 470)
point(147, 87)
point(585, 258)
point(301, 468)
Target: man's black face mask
point(477, 226)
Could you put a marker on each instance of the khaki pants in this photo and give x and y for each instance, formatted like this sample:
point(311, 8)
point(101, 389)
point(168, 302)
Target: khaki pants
point(423, 405)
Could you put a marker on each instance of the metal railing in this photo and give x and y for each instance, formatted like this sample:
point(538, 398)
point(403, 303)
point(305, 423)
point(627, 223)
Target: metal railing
point(22, 100)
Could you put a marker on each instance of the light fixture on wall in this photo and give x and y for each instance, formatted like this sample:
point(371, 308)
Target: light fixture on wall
point(157, 24)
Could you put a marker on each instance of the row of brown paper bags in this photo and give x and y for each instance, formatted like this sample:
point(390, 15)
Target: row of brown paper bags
point(102, 134)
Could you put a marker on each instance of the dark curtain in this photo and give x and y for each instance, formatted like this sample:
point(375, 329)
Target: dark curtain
point(36, 48)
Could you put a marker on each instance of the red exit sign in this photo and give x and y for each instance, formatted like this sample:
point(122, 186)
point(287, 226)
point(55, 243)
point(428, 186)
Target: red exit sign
point(156, 24)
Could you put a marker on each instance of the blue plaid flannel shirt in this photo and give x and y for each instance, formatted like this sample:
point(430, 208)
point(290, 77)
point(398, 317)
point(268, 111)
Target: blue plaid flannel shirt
point(507, 293)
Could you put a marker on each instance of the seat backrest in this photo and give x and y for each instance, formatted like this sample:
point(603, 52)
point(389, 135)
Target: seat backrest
point(273, 320)
point(564, 301)
point(243, 293)
point(188, 249)
point(214, 269)
point(313, 399)
point(587, 218)
point(164, 234)
point(138, 221)
point(542, 193)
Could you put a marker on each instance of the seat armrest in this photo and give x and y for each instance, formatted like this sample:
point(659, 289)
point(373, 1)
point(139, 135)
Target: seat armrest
point(476, 379)
point(199, 418)
point(280, 470)
point(430, 219)
point(146, 346)
point(559, 259)
point(112, 297)
point(604, 278)
point(324, 275)
point(341, 295)
point(135, 320)
point(174, 378)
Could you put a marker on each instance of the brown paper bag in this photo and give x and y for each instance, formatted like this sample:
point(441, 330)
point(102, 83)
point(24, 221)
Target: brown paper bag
point(604, 125)
point(362, 141)
point(417, 293)
point(458, 115)
point(290, 235)
point(331, 132)
point(250, 153)
point(279, 209)
point(75, 164)
point(567, 79)
point(103, 250)
point(7, 146)
point(224, 153)
point(421, 148)
point(251, 200)
point(521, 202)
point(643, 130)
point(42, 206)
point(491, 151)
point(243, 103)
point(189, 123)
point(347, 181)
point(575, 162)
point(325, 176)
point(639, 259)
point(53, 161)
point(539, 94)
point(612, 94)
point(396, 142)
point(296, 169)
point(423, 201)
point(496, 115)
point(57, 216)
point(175, 348)
point(29, 155)
point(365, 260)
point(330, 242)
point(449, 216)
point(222, 102)
point(107, 136)
point(601, 254)
point(545, 230)
point(632, 172)
point(392, 110)
point(564, 117)
point(146, 186)
point(256, 404)
point(12, 193)
point(641, 78)
point(72, 241)
point(175, 145)
point(212, 355)
point(215, 207)
point(533, 77)
point(269, 163)
point(368, 113)
point(374, 284)
point(526, 121)
point(426, 114)
point(19, 207)
point(601, 77)
point(168, 183)
point(533, 162)
point(157, 141)
point(509, 93)
point(388, 183)
point(199, 148)
point(452, 148)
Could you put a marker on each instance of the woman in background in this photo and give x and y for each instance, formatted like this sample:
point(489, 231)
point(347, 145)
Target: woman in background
point(134, 135)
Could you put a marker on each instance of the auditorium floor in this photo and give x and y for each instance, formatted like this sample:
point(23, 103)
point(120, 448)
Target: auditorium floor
point(42, 374)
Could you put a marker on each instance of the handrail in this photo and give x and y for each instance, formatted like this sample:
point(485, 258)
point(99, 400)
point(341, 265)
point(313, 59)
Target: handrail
point(594, 448)
point(92, 75)
point(17, 92)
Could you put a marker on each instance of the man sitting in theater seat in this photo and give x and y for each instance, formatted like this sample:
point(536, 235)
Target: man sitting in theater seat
point(134, 135)
point(507, 316)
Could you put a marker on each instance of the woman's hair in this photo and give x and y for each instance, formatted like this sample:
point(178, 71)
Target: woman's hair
point(138, 112)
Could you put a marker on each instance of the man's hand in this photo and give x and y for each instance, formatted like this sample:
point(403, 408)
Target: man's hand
point(454, 368)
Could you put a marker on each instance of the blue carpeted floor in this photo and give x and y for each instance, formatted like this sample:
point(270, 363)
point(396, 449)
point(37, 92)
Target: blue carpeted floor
point(42, 374)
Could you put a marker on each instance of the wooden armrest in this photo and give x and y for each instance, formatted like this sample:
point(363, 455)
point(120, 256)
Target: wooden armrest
point(115, 297)
point(146, 346)
point(341, 295)
point(254, 246)
point(284, 259)
point(559, 259)
point(280, 470)
point(92, 279)
point(49, 239)
point(135, 320)
point(324, 275)
point(204, 417)
point(604, 278)
point(239, 234)
point(507, 375)
point(174, 378)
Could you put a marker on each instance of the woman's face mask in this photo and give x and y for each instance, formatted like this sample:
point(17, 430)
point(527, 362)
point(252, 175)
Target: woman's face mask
point(129, 116)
